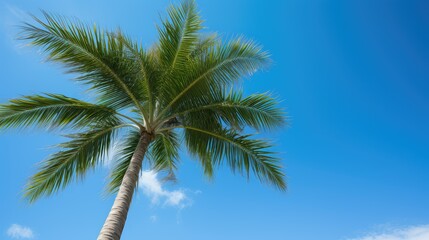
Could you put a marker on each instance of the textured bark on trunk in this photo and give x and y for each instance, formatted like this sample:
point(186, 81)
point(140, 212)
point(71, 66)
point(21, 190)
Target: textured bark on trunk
point(114, 224)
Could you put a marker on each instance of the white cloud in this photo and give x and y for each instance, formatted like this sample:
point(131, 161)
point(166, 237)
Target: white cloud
point(408, 233)
point(20, 232)
point(152, 188)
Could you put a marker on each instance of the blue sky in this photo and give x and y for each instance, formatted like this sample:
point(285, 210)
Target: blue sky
point(354, 78)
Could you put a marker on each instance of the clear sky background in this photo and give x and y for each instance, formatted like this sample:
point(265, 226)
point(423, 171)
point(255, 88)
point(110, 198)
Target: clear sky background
point(354, 78)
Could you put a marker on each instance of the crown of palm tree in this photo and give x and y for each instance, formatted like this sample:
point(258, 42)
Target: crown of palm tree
point(182, 90)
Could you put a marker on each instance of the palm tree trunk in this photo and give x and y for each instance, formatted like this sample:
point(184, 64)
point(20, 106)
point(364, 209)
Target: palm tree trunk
point(114, 224)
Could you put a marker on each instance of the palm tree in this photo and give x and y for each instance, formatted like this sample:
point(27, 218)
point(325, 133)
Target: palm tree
point(180, 90)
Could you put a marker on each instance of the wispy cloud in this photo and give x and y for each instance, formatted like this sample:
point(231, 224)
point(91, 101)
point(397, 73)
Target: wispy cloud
point(153, 188)
point(16, 231)
point(408, 233)
point(18, 13)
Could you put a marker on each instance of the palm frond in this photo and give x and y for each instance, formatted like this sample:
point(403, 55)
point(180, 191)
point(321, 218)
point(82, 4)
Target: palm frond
point(82, 153)
point(179, 34)
point(122, 157)
point(53, 110)
point(204, 44)
point(258, 111)
point(147, 73)
point(164, 151)
point(240, 151)
point(217, 68)
point(96, 56)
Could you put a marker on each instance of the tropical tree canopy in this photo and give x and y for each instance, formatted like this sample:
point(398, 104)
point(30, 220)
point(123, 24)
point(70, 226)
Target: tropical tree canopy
point(182, 92)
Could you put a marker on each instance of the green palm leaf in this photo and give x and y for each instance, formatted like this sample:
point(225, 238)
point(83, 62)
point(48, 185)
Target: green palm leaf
point(122, 159)
point(147, 73)
point(217, 68)
point(241, 153)
point(257, 110)
point(77, 156)
point(53, 110)
point(179, 34)
point(94, 54)
point(204, 44)
point(164, 151)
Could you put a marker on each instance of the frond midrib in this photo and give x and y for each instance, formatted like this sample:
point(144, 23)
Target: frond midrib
point(182, 33)
point(52, 175)
point(199, 79)
point(54, 106)
point(104, 65)
point(146, 77)
point(222, 104)
point(226, 139)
